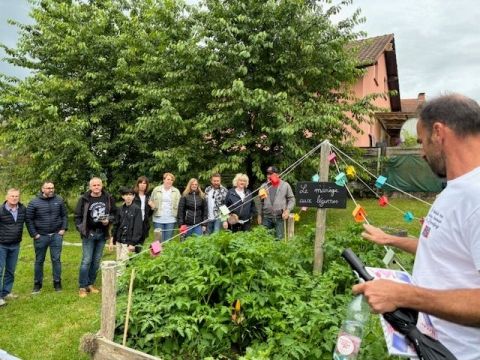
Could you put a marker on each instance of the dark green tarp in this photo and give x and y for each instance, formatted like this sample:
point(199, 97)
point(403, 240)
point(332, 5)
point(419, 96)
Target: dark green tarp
point(411, 173)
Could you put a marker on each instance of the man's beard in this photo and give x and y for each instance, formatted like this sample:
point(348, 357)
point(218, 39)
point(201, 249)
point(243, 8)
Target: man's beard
point(437, 164)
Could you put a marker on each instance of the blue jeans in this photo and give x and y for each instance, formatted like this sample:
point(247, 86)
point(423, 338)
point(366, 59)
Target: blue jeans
point(167, 230)
point(41, 245)
point(8, 263)
point(274, 223)
point(92, 252)
point(196, 230)
point(214, 226)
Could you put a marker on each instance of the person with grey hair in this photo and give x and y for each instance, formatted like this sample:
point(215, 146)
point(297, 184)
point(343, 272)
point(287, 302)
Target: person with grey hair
point(12, 218)
point(94, 213)
point(446, 271)
point(276, 207)
point(239, 201)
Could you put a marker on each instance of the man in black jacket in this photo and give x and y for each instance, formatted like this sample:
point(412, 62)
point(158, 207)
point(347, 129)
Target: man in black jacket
point(12, 218)
point(94, 212)
point(46, 224)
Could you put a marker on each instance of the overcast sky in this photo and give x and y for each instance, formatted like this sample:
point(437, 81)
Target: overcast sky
point(437, 41)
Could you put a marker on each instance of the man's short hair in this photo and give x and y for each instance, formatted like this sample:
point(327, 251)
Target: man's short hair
point(215, 175)
point(125, 190)
point(458, 112)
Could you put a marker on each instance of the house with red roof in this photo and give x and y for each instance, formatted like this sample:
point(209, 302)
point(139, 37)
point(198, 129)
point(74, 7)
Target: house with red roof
point(377, 56)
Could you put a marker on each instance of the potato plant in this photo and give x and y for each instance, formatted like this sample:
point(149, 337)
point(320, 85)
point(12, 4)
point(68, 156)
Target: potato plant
point(244, 295)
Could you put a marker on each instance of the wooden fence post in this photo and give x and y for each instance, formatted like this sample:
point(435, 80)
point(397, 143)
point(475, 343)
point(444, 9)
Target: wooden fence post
point(109, 299)
point(290, 226)
point(320, 225)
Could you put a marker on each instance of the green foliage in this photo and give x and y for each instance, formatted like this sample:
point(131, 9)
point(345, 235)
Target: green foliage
point(183, 299)
point(120, 88)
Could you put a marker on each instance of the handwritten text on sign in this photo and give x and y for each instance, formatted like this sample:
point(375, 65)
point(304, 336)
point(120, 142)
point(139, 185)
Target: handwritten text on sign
point(321, 195)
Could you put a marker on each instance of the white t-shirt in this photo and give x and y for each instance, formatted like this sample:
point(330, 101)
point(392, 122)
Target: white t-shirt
point(211, 204)
point(167, 214)
point(448, 256)
point(142, 205)
point(240, 193)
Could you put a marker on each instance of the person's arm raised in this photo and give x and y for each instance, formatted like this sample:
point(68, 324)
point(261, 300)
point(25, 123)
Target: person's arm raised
point(380, 237)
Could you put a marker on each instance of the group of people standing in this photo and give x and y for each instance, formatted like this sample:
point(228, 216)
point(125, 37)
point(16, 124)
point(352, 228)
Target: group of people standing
point(98, 220)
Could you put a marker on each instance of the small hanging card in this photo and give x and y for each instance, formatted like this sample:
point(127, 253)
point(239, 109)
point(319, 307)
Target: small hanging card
point(341, 179)
point(275, 180)
point(183, 229)
point(262, 193)
point(332, 158)
point(155, 248)
point(381, 180)
point(408, 216)
point(224, 210)
point(383, 201)
point(351, 172)
point(359, 213)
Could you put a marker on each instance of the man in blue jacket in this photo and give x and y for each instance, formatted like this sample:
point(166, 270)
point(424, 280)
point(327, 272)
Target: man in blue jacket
point(12, 218)
point(46, 224)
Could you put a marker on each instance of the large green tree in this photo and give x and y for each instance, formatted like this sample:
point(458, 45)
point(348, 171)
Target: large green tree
point(75, 115)
point(122, 88)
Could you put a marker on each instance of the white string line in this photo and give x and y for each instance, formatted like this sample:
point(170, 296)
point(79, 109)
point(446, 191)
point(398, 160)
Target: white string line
point(346, 187)
point(389, 203)
point(384, 246)
point(285, 172)
point(289, 169)
point(374, 192)
point(375, 177)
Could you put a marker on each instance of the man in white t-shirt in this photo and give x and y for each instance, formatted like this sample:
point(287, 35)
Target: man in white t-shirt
point(446, 272)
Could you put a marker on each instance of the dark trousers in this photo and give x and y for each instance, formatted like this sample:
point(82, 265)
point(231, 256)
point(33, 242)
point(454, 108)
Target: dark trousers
point(241, 227)
point(276, 223)
point(41, 245)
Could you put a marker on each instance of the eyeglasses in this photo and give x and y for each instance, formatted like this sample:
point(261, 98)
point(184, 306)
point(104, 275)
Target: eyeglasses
point(269, 172)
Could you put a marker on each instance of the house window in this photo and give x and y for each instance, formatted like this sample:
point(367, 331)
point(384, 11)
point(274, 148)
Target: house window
point(375, 79)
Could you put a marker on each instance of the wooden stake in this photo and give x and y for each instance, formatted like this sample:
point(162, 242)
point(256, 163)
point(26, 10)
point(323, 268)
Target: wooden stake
point(320, 225)
point(109, 299)
point(129, 305)
point(291, 226)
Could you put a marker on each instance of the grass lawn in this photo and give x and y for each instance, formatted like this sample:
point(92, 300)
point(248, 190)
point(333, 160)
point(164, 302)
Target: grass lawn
point(50, 325)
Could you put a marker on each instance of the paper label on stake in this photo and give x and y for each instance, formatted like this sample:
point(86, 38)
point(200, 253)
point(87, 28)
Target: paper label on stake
point(388, 258)
point(224, 210)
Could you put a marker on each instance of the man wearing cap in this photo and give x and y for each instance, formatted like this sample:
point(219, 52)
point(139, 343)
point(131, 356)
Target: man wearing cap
point(276, 206)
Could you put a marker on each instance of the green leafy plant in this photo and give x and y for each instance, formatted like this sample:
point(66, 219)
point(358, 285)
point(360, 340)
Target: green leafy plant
point(184, 300)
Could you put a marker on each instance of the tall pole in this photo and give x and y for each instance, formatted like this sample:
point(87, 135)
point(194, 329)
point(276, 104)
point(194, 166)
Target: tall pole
point(320, 225)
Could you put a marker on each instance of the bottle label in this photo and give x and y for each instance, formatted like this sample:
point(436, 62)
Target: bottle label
point(348, 344)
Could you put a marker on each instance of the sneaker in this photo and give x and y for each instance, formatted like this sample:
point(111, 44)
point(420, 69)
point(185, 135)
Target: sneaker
point(11, 296)
point(36, 289)
point(82, 292)
point(57, 285)
point(2, 302)
point(92, 289)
